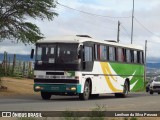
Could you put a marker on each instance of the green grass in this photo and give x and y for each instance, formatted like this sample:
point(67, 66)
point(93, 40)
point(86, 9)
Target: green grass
point(96, 114)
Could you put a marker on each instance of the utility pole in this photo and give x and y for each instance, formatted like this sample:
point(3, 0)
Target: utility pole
point(145, 62)
point(118, 31)
point(132, 23)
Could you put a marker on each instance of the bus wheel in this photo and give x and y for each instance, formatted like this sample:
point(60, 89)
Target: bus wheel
point(94, 95)
point(151, 92)
point(86, 92)
point(45, 95)
point(125, 91)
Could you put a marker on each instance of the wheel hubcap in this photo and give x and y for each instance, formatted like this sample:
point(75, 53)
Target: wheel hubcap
point(86, 91)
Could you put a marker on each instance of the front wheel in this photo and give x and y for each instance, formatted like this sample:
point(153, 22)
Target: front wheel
point(86, 92)
point(45, 95)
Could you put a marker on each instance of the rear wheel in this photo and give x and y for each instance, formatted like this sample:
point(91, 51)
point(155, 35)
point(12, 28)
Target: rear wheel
point(158, 92)
point(45, 95)
point(125, 91)
point(117, 95)
point(86, 92)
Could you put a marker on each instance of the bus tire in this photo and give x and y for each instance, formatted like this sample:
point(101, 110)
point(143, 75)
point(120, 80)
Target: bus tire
point(86, 92)
point(45, 95)
point(151, 92)
point(94, 96)
point(125, 91)
point(117, 95)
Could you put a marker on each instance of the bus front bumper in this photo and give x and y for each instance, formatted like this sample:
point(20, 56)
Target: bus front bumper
point(58, 88)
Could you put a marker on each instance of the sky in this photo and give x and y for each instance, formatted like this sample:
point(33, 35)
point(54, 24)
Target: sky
point(103, 24)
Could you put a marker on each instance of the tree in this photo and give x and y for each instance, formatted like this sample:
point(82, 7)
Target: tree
point(14, 14)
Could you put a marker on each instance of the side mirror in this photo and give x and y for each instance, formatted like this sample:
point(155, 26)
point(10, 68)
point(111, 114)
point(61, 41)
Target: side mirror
point(32, 54)
point(79, 51)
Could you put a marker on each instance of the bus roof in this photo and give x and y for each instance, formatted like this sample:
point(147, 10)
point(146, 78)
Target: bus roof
point(84, 38)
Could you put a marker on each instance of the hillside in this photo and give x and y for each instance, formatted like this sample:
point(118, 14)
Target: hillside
point(18, 57)
point(153, 65)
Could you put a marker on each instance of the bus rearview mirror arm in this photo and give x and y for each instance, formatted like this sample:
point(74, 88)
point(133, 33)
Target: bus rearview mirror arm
point(79, 50)
point(32, 54)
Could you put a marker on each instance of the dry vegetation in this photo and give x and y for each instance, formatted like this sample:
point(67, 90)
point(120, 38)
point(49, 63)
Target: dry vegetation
point(15, 86)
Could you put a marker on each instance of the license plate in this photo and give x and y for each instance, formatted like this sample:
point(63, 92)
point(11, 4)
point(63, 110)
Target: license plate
point(54, 88)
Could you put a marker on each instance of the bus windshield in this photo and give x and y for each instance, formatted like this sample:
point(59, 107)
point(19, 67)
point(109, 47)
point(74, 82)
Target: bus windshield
point(57, 53)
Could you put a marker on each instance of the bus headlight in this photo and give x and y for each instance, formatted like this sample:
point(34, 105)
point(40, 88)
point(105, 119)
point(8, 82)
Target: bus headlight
point(71, 88)
point(39, 88)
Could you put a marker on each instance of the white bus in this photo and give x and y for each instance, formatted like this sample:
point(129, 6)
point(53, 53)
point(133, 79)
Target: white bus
point(80, 65)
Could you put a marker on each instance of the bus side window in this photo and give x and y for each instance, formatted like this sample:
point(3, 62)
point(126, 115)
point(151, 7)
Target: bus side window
point(135, 56)
point(103, 52)
point(120, 55)
point(88, 54)
point(138, 57)
point(124, 54)
point(141, 57)
point(128, 56)
point(132, 56)
point(96, 52)
point(112, 54)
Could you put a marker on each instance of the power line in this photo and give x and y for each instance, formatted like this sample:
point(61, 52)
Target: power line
point(90, 13)
point(97, 15)
point(128, 35)
point(146, 28)
point(125, 37)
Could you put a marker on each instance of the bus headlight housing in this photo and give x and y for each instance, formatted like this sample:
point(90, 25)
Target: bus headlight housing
point(39, 88)
point(71, 88)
